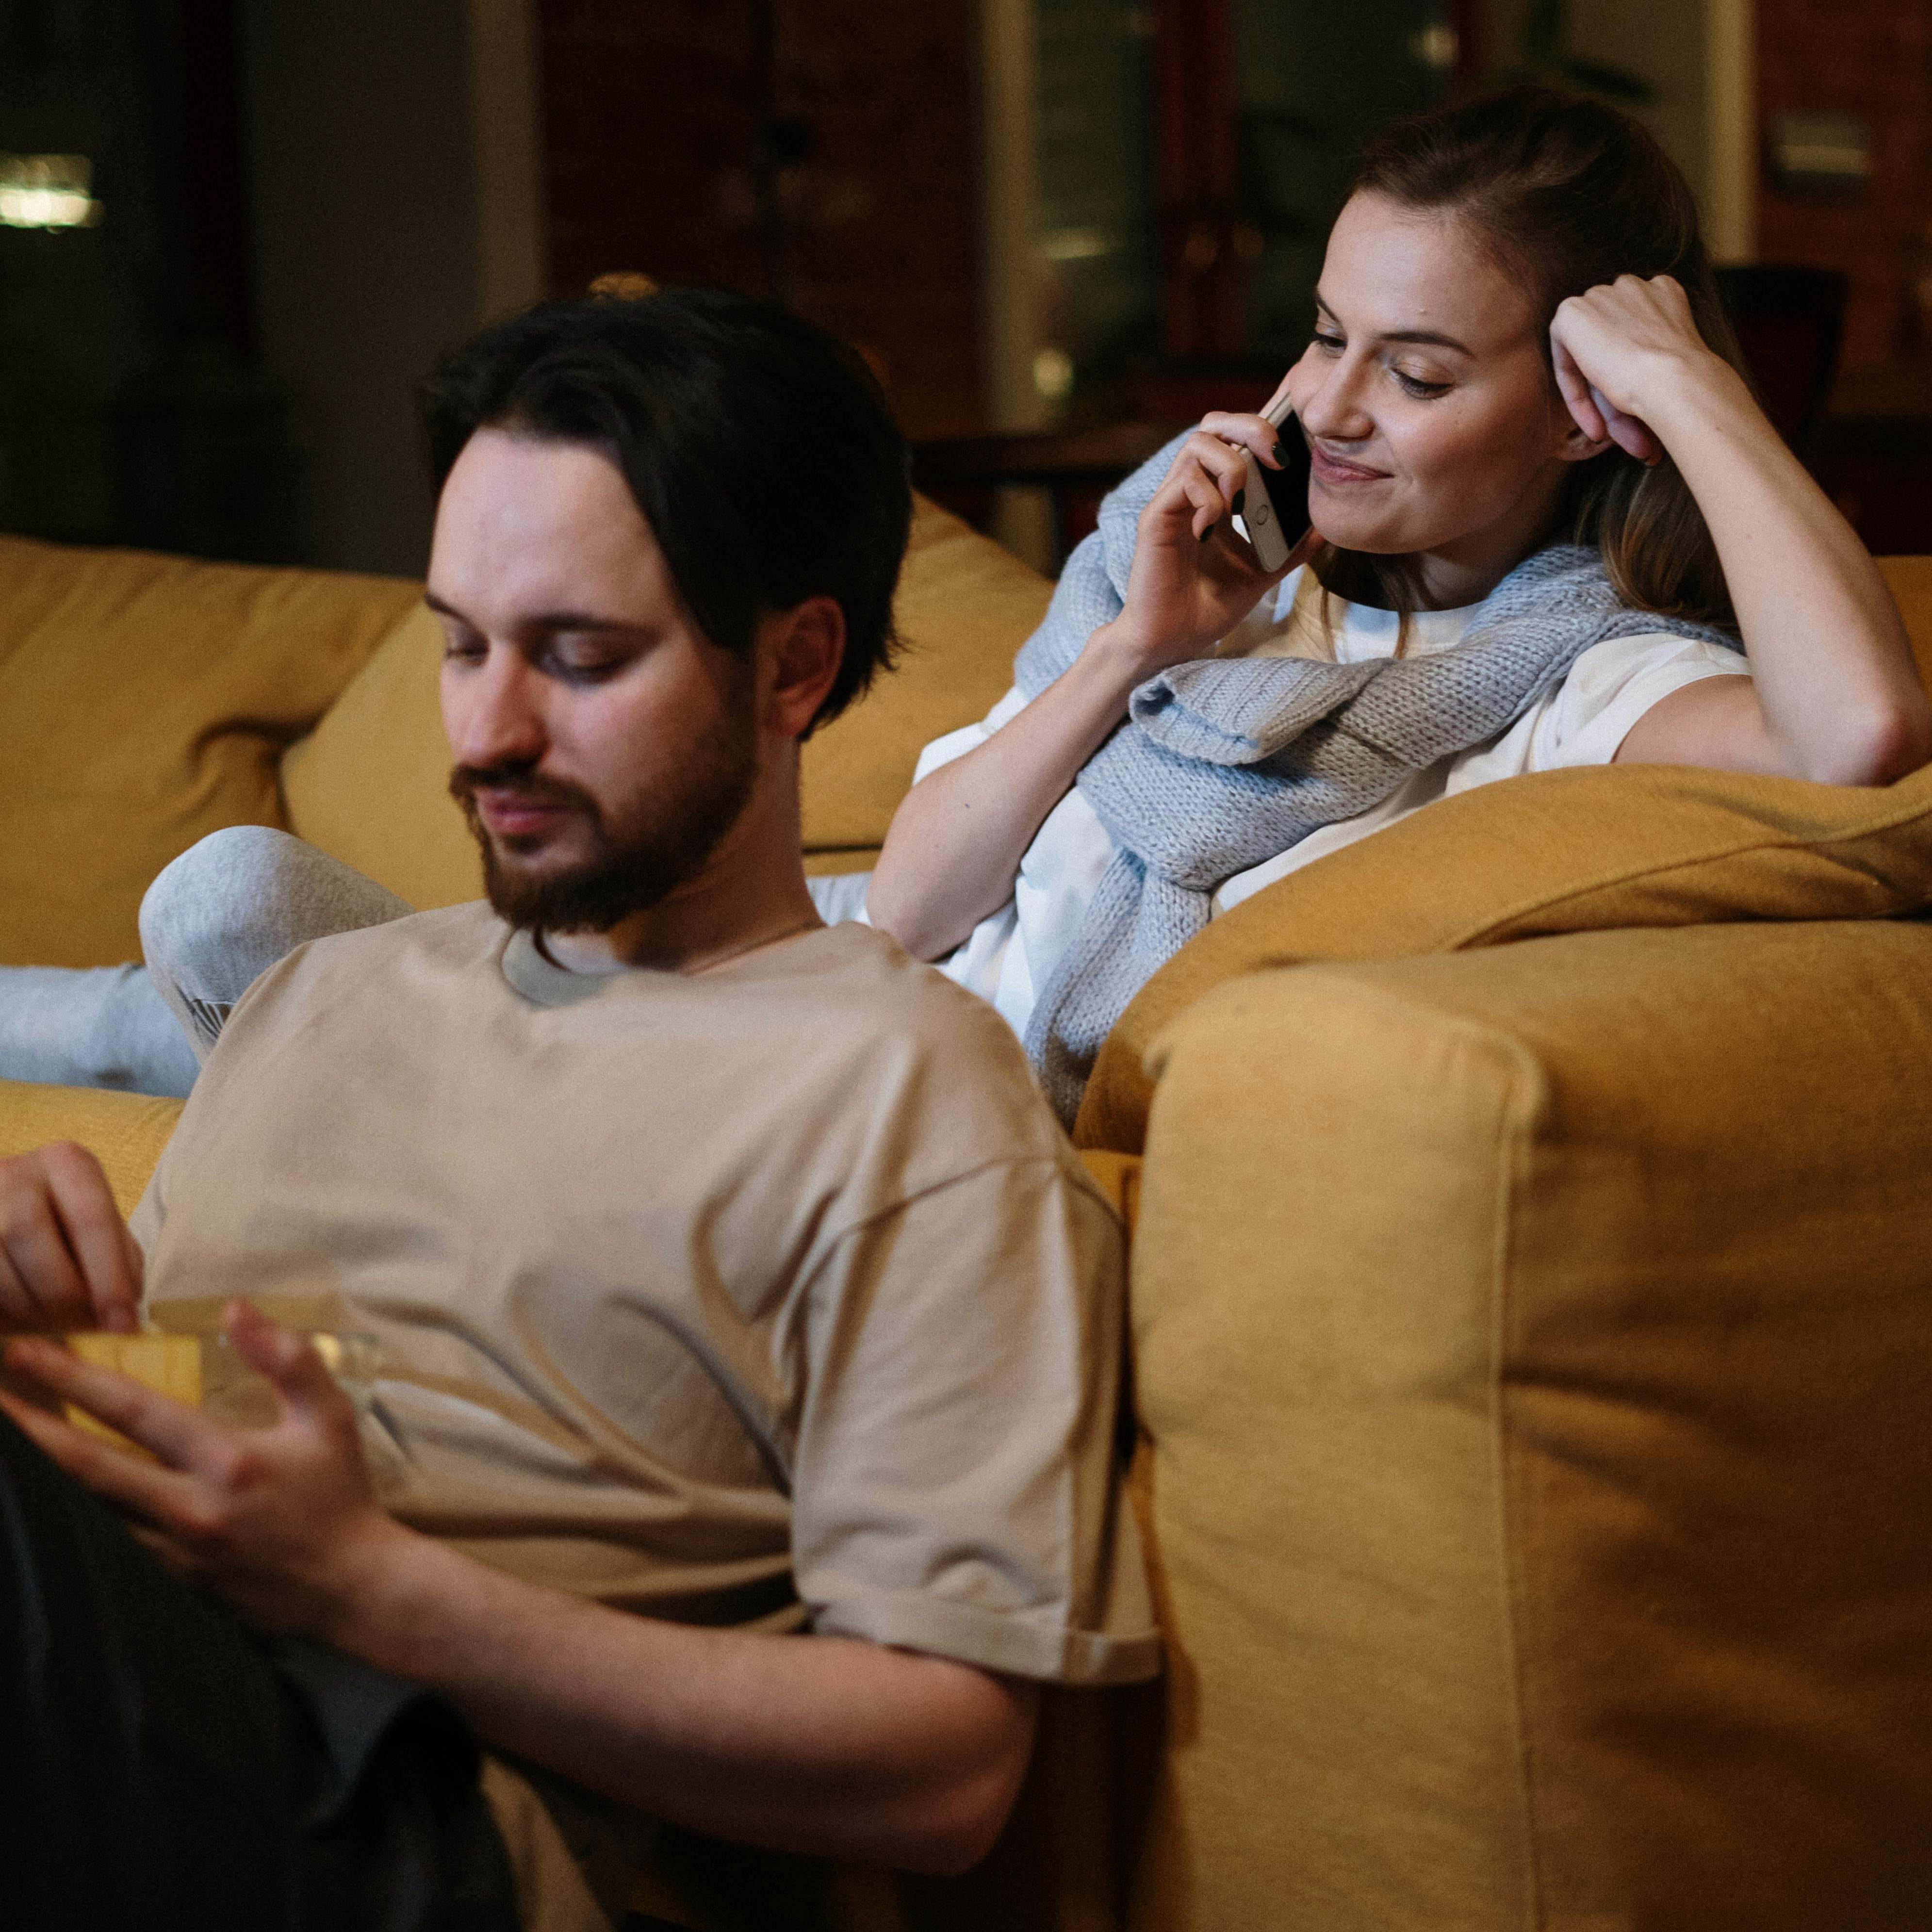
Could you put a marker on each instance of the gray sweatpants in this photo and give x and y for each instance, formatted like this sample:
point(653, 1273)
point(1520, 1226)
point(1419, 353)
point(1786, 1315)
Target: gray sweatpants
point(211, 923)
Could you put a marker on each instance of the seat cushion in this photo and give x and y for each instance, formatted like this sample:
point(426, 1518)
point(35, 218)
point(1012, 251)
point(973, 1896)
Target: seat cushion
point(124, 1132)
point(144, 701)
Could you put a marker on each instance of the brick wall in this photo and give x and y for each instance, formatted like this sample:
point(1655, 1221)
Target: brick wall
point(649, 119)
point(1872, 57)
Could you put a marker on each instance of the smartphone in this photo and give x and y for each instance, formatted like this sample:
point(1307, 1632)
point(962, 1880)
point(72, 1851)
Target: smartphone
point(1274, 504)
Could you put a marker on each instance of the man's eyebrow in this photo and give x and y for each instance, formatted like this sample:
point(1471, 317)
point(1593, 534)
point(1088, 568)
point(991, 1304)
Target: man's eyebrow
point(1432, 337)
point(540, 620)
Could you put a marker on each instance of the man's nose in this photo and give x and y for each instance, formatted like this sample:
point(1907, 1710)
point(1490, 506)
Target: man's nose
point(492, 712)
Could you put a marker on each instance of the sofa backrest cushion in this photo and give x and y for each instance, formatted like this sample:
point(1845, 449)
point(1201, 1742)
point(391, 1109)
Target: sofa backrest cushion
point(124, 1132)
point(1531, 1345)
point(964, 606)
point(370, 784)
point(144, 703)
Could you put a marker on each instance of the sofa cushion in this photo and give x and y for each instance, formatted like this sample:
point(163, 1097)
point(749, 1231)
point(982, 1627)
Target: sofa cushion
point(1566, 851)
point(144, 702)
point(1532, 1346)
point(964, 606)
point(124, 1132)
point(370, 785)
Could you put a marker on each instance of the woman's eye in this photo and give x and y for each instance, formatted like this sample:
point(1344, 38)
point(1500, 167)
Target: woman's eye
point(464, 650)
point(1416, 386)
point(1331, 345)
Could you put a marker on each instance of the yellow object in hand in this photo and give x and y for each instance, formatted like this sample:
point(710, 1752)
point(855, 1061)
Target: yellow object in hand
point(170, 1365)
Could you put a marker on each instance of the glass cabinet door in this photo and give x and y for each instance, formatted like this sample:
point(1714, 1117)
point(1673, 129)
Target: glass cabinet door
point(1191, 155)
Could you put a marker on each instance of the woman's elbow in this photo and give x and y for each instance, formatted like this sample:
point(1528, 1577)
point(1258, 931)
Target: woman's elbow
point(920, 934)
point(1884, 741)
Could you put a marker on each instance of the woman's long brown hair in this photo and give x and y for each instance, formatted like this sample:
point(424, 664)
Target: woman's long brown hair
point(1565, 193)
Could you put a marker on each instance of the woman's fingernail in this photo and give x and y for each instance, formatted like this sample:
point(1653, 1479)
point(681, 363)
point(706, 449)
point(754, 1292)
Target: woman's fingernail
point(1210, 530)
point(1280, 453)
point(1240, 500)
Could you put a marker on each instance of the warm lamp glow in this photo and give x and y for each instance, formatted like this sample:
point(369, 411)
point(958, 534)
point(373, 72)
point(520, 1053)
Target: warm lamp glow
point(46, 191)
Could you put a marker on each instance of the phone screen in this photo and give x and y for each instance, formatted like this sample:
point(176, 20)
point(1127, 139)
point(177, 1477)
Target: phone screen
point(1288, 486)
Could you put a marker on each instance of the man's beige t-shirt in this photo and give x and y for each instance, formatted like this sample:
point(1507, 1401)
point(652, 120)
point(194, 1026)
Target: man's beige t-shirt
point(769, 1296)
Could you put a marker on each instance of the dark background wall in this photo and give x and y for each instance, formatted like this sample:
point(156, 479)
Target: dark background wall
point(306, 202)
point(365, 247)
point(660, 119)
point(1874, 58)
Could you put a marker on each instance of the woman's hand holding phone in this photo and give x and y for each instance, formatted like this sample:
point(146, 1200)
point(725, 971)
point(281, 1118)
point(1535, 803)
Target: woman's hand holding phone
point(1193, 579)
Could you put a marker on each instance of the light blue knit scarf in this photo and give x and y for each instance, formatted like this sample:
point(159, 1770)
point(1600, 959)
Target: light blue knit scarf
point(1223, 762)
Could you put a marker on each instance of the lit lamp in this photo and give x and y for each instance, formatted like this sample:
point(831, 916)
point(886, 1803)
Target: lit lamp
point(47, 191)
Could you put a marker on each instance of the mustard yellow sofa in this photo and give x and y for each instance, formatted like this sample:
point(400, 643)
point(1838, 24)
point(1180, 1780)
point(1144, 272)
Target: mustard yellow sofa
point(1532, 1283)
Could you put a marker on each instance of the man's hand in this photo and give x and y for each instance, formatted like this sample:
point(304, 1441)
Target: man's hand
point(67, 1260)
point(282, 1521)
point(830, 1746)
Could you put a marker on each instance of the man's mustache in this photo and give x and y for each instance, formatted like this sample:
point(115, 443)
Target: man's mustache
point(466, 781)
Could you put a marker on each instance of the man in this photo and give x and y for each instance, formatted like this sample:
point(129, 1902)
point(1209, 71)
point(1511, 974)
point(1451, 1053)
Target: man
point(727, 1279)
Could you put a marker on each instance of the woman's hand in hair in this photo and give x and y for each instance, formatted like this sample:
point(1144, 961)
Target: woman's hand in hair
point(1834, 694)
point(1616, 347)
point(1193, 580)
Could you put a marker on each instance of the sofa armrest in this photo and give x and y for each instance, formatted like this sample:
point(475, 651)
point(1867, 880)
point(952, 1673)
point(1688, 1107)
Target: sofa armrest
point(1532, 1346)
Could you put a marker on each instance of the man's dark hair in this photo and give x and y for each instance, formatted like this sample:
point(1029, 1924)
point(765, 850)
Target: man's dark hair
point(761, 450)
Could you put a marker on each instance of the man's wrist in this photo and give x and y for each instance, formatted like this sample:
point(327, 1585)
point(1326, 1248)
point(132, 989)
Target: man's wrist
point(362, 1604)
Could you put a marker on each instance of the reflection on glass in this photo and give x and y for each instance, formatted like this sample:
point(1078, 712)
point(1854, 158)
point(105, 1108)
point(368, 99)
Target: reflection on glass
point(1312, 84)
point(47, 191)
point(1093, 237)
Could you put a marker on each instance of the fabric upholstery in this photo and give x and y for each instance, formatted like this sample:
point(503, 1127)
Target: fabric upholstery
point(144, 701)
point(370, 784)
point(964, 606)
point(1532, 1348)
point(1910, 579)
point(125, 1132)
point(1559, 852)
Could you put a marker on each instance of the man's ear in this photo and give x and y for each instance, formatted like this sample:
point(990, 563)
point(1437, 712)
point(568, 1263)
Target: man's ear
point(803, 648)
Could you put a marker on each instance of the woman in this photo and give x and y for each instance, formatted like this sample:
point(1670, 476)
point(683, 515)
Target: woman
point(1551, 528)
point(1531, 441)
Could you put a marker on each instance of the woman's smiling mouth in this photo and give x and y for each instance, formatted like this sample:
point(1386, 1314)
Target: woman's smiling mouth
point(1335, 470)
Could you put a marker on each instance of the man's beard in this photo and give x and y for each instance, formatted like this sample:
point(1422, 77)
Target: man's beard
point(662, 843)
